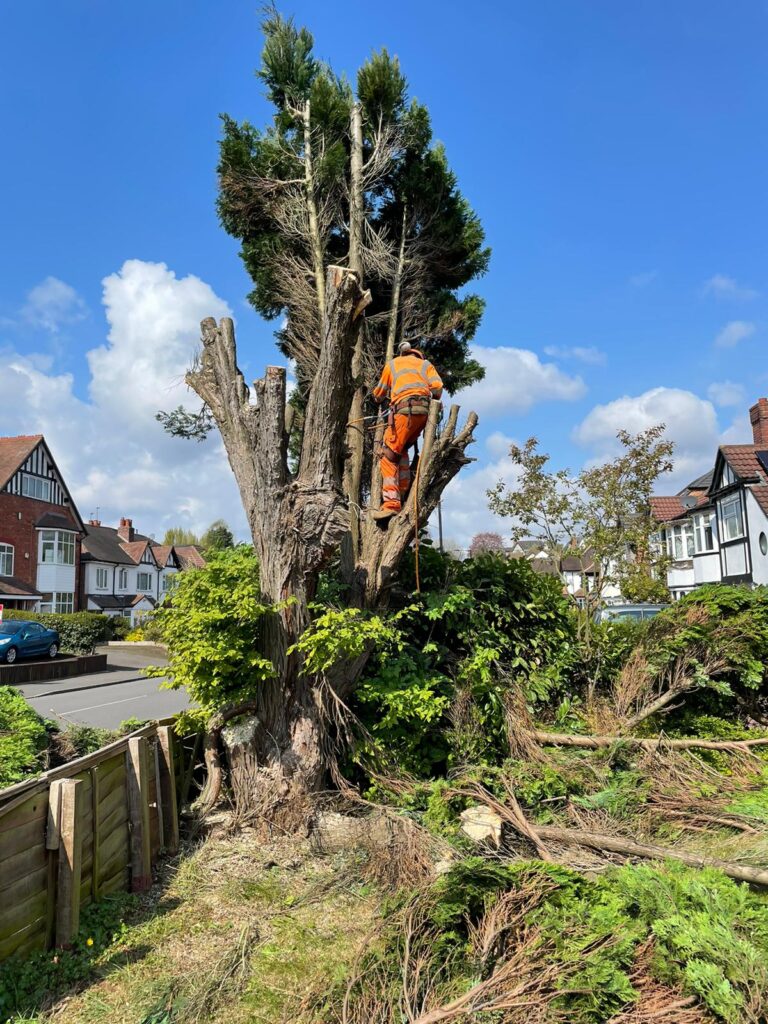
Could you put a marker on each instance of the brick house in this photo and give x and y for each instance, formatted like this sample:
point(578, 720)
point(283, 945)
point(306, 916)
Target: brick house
point(40, 529)
point(127, 574)
point(716, 529)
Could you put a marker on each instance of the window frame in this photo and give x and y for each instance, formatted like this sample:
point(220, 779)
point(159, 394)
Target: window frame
point(703, 525)
point(6, 551)
point(28, 479)
point(732, 502)
point(102, 574)
point(122, 579)
point(141, 589)
point(61, 544)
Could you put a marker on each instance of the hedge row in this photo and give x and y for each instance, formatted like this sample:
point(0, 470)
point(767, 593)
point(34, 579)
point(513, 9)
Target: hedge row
point(79, 632)
point(23, 737)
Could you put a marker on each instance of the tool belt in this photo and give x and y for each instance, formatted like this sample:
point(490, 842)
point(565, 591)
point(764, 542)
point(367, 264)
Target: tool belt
point(413, 406)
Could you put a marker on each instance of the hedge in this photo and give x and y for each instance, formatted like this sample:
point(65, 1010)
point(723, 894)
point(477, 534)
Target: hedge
point(23, 737)
point(79, 632)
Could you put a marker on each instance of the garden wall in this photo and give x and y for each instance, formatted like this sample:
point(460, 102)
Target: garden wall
point(86, 829)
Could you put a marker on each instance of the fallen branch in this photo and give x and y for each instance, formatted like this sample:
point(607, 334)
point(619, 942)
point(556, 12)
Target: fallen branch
point(214, 769)
point(563, 739)
point(614, 844)
point(513, 814)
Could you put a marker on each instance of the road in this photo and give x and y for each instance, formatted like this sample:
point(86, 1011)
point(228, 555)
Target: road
point(107, 698)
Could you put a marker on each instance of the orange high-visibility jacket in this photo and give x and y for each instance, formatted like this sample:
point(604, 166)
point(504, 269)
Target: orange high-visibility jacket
point(408, 376)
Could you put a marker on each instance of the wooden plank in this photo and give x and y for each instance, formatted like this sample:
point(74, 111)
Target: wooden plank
point(117, 798)
point(116, 839)
point(52, 871)
point(33, 881)
point(137, 777)
point(18, 914)
point(118, 882)
point(96, 773)
point(112, 781)
point(30, 937)
point(159, 799)
point(33, 808)
point(117, 863)
point(70, 844)
point(54, 813)
point(24, 837)
point(167, 788)
point(22, 864)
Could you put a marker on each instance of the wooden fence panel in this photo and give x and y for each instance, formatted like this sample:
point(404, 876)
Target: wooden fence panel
point(87, 829)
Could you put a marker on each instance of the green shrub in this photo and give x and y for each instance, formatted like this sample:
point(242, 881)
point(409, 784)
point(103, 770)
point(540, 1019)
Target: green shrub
point(23, 737)
point(79, 632)
point(478, 630)
point(211, 626)
point(119, 627)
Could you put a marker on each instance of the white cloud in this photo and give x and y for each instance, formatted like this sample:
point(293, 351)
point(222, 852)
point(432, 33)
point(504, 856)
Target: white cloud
point(644, 279)
point(724, 287)
point(515, 380)
point(584, 354)
point(733, 333)
point(691, 423)
point(109, 447)
point(725, 393)
point(53, 304)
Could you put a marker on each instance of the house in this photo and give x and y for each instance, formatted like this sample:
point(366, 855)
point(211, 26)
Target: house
point(40, 529)
point(579, 572)
point(126, 573)
point(716, 529)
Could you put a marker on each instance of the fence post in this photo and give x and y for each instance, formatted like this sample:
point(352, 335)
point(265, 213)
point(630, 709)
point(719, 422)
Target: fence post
point(138, 803)
point(96, 863)
point(70, 858)
point(166, 788)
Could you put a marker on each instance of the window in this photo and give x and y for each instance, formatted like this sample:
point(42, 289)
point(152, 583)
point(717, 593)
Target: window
point(35, 487)
point(680, 541)
point(58, 548)
point(703, 532)
point(6, 560)
point(122, 581)
point(763, 541)
point(733, 521)
point(60, 603)
point(144, 582)
point(102, 579)
point(167, 582)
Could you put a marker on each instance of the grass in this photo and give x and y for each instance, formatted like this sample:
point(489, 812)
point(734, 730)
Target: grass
point(242, 932)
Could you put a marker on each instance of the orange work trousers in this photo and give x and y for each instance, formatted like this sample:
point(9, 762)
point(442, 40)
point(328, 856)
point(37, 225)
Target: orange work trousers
point(395, 464)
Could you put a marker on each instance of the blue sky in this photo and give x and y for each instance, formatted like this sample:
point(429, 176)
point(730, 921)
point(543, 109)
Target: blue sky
point(615, 152)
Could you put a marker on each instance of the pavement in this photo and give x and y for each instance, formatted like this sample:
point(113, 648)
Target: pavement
point(107, 698)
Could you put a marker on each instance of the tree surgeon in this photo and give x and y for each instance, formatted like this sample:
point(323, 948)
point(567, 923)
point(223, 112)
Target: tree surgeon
point(410, 382)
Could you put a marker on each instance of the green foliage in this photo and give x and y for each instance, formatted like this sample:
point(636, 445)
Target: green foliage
point(23, 737)
point(180, 535)
point(217, 537)
point(212, 626)
point(344, 635)
point(27, 984)
point(478, 628)
point(719, 635)
point(79, 632)
point(710, 934)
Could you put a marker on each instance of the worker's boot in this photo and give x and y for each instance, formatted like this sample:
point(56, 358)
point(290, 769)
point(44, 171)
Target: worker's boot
point(383, 515)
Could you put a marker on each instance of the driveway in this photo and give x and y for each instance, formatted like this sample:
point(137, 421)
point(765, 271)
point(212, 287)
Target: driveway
point(107, 698)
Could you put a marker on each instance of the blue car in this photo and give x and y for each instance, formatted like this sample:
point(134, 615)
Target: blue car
point(21, 639)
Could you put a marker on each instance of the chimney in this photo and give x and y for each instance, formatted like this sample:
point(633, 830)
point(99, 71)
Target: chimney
point(94, 522)
point(125, 530)
point(758, 417)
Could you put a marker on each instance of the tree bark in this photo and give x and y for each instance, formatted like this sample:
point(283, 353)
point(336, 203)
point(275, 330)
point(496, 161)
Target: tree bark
point(563, 739)
point(298, 521)
point(353, 472)
point(314, 220)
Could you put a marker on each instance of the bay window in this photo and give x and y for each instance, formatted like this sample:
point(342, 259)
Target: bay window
point(680, 541)
point(704, 532)
point(57, 547)
point(61, 603)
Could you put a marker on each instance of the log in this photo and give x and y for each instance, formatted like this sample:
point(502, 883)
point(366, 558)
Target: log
point(563, 739)
point(615, 844)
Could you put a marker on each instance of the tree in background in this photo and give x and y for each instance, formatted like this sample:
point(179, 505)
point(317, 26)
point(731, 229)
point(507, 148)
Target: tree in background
point(217, 537)
point(601, 514)
point(180, 535)
point(343, 204)
point(484, 542)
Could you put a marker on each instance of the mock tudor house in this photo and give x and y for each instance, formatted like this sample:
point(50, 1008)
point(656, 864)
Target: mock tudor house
point(40, 529)
point(127, 574)
point(716, 529)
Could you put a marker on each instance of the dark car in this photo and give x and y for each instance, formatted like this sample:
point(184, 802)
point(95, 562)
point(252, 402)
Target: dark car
point(22, 639)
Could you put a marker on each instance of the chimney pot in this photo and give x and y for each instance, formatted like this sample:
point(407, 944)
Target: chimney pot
point(94, 522)
point(125, 530)
point(758, 417)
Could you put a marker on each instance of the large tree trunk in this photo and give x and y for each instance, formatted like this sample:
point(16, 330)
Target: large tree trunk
point(297, 522)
